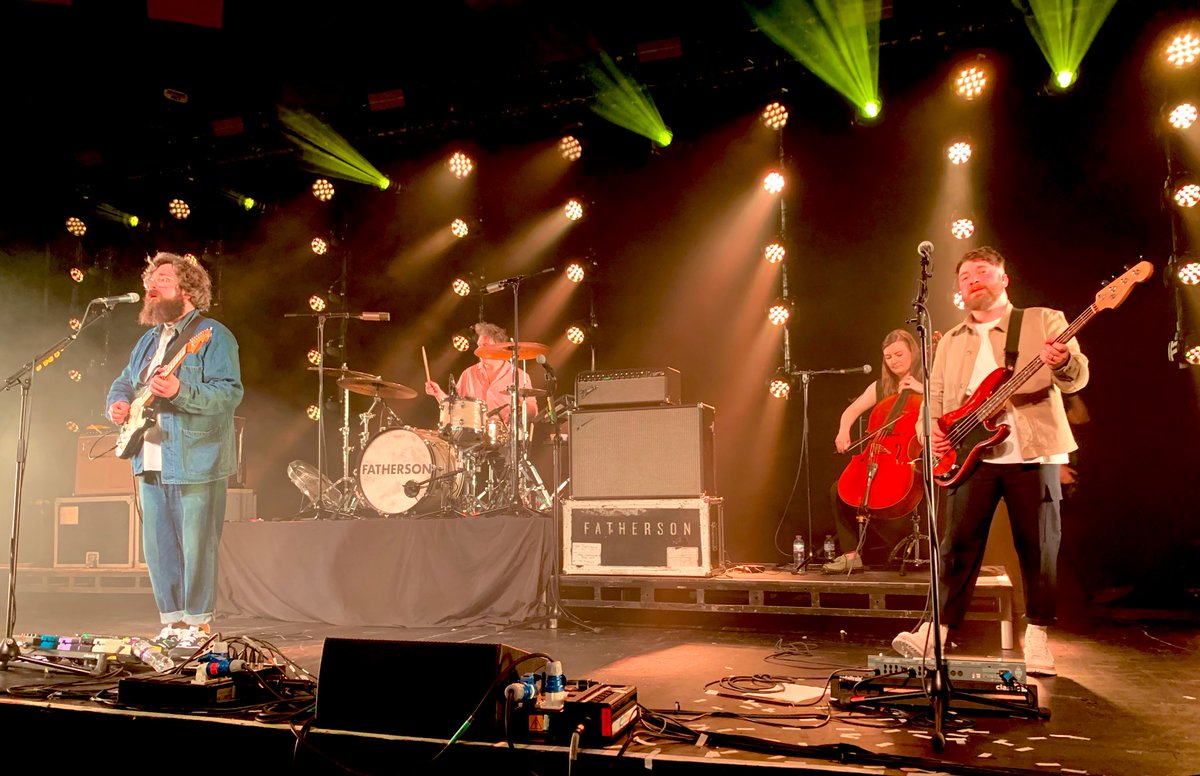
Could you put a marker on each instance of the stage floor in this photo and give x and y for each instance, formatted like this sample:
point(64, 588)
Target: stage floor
point(1125, 701)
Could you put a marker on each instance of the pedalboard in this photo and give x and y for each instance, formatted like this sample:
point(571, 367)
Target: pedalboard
point(601, 713)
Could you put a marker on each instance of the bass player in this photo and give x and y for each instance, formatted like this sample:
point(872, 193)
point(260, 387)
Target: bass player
point(1023, 469)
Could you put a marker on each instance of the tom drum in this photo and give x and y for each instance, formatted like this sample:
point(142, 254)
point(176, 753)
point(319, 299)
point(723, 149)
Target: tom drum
point(461, 420)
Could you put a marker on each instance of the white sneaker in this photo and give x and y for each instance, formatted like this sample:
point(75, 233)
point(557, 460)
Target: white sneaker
point(1038, 659)
point(918, 643)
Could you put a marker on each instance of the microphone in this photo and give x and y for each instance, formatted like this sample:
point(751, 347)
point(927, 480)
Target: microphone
point(865, 369)
point(129, 298)
point(372, 317)
point(925, 249)
point(499, 285)
point(541, 359)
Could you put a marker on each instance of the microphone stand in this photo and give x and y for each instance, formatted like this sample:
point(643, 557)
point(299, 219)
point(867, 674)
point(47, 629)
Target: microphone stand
point(806, 376)
point(10, 652)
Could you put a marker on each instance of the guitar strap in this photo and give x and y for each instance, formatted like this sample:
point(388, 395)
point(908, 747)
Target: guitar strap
point(181, 338)
point(1013, 342)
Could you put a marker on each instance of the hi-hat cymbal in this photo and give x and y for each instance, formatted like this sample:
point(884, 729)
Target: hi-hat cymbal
point(341, 372)
point(536, 393)
point(376, 387)
point(503, 350)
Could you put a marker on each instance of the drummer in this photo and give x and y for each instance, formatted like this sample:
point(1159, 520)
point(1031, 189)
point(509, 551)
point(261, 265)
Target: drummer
point(489, 380)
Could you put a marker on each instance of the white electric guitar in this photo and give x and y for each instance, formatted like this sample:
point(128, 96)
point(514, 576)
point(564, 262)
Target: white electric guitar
point(142, 414)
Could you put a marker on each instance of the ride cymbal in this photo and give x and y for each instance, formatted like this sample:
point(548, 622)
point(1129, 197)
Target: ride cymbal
point(376, 388)
point(502, 351)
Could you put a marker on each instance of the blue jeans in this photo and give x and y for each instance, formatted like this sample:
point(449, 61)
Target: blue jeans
point(181, 533)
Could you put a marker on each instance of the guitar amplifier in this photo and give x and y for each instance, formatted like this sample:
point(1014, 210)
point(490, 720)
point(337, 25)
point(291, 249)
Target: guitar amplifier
point(628, 388)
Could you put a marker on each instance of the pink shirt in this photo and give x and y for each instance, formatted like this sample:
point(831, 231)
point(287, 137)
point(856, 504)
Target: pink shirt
point(476, 384)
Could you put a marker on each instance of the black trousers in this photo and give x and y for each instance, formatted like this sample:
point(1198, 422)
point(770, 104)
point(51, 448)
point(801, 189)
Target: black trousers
point(882, 535)
point(1033, 494)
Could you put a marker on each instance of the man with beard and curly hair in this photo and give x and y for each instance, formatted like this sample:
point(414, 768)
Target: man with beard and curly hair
point(187, 454)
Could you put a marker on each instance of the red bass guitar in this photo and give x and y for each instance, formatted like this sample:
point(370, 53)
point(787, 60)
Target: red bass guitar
point(973, 428)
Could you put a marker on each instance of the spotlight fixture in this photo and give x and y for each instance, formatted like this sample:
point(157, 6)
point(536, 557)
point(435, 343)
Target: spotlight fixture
point(570, 148)
point(971, 82)
point(779, 312)
point(773, 183)
point(871, 110)
point(76, 226)
point(460, 343)
point(461, 287)
point(1182, 116)
point(459, 228)
point(1189, 274)
point(959, 153)
point(460, 164)
point(1063, 79)
point(179, 209)
point(75, 324)
point(962, 228)
point(573, 210)
point(247, 203)
point(314, 356)
point(190, 258)
point(75, 375)
point(1187, 194)
point(319, 246)
point(774, 253)
point(313, 412)
point(317, 303)
point(575, 272)
point(780, 387)
point(73, 427)
point(958, 301)
point(774, 116)
point(577, 333)
point(77, 274)
point(1192, 356)
point(322, 189)
point(132, 221)
point(1183, 50)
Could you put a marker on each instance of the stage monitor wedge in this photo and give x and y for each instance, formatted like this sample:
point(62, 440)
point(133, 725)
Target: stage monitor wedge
point(424, 689)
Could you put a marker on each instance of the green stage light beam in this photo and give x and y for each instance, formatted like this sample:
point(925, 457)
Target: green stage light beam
point(624, 102)
point(327, 152)
point(111, 213)
point(837, 40)
point(1064, 30)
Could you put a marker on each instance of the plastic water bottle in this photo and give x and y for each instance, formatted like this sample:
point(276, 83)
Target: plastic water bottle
point(151, 655)
point(830, 547)
point(798, 551)
point(556, 686)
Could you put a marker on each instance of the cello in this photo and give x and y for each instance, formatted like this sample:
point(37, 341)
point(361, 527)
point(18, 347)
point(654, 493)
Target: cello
point(881, 480)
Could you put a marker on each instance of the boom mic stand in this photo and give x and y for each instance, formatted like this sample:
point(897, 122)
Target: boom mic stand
point(806, 376)
point(10, 652)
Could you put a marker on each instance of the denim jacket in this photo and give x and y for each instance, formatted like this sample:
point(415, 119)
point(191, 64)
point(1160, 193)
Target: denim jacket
point(197, 423)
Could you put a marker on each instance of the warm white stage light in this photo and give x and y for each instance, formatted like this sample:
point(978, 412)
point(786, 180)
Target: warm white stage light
point(1183, 50)
point(575, 272)
point(460, 343)
point(780, 388)
point(959, 153)
point(322, 190)
point(779, 313)
point(773, 183)
point(75, 324)
point(570, 148)
point(460, 287)
point(77, 274)
point(319, 246)
point(962, 228)
point(774, 253)
point(1182, 116)
point(313, 412)
point(317, 303)
point(460, 164)
point(576, 335)
point(314, 357)
point(179, 209)
point(775, 116)
point(1187, 195)
point(573, 209)
point(459, 228)
point(76, 226)
point(1189, 274)
point(75, 375)
point(970, 82)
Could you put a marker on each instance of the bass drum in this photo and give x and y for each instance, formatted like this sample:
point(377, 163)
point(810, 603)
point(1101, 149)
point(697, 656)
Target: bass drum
point(407, 456)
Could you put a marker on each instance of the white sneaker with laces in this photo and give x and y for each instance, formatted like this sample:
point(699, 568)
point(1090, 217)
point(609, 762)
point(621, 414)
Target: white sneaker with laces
point(918, 643)
point(1038, 659)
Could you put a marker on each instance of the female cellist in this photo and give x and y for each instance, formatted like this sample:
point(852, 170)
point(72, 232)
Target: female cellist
point(901, 371)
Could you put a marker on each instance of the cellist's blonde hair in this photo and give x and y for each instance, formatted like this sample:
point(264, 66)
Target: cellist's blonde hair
point(887, 381)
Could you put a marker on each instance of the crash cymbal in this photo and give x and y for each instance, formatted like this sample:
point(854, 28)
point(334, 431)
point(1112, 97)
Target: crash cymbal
point(536, 393)
point(376, 387)
point(342, 373)
point(503, 350)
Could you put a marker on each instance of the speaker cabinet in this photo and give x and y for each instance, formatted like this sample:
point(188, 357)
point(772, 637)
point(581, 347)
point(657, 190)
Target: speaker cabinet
point(417, 688)
point(646, 452)
point(96, 532)
point(98, 470)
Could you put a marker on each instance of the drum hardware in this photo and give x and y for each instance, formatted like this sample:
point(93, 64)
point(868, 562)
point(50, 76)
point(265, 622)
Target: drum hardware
point(376, 387)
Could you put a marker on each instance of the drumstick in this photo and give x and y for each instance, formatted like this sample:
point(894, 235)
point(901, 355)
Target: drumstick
point(425, 358)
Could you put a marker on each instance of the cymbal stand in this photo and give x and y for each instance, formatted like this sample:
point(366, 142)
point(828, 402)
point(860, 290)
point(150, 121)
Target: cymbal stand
point(518, 461)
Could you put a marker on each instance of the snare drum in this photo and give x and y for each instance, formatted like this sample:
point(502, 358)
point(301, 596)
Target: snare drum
point(400, 456)
point(462, 420)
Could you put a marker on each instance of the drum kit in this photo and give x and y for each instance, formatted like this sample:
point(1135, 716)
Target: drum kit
point(462, 467)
